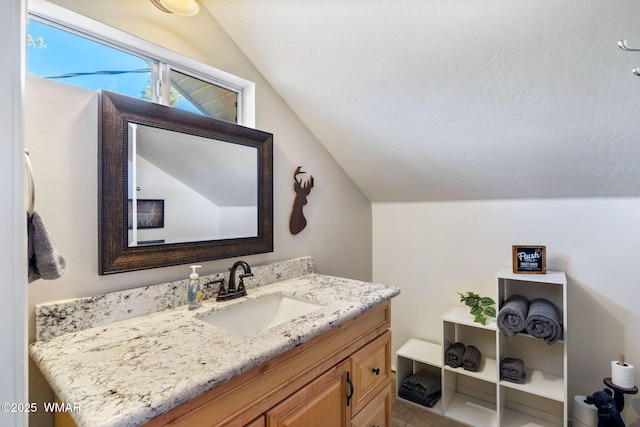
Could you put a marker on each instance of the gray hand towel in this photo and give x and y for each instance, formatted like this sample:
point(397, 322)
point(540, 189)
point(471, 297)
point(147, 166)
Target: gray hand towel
point(423, 388)
point(471, 358)
point(453, 355)
point(512, 369)
point(423, 382)
point(512, 317)
point(542, 321)
point(45, 262)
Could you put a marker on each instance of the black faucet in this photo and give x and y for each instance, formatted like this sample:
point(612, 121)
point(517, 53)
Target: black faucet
point(233, 292)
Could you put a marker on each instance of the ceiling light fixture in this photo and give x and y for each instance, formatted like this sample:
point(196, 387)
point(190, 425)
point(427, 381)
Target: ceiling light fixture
point(179, 7)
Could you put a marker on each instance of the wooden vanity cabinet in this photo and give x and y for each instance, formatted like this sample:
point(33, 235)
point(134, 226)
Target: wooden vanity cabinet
point(339, 378)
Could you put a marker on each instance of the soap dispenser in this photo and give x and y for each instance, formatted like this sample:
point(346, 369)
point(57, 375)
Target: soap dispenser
point(194, 296)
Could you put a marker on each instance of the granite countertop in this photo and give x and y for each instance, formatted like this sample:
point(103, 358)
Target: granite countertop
point(128, 372)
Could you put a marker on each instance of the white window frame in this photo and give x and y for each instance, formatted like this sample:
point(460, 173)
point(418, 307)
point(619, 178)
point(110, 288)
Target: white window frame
point(91, 29)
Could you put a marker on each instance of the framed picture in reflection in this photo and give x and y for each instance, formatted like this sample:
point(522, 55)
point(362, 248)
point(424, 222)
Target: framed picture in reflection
point(150, 213)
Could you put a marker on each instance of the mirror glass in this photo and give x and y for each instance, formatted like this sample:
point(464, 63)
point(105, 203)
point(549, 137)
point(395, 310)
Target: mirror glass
point(186, 188)
point(198, 188)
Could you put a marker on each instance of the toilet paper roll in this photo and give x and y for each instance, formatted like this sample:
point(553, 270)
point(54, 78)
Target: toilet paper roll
point(622, 375)
point(584, 412)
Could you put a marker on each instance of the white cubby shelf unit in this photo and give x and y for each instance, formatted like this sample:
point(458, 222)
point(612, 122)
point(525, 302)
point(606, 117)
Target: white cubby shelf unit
point(481, 398)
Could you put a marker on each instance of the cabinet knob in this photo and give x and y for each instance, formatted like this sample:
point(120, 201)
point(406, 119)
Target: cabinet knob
point(376, 371)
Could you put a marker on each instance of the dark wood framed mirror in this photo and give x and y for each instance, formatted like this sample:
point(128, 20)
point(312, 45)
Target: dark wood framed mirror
point(177, 188)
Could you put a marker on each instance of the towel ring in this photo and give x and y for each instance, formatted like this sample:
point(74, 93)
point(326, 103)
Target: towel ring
point(32, 186)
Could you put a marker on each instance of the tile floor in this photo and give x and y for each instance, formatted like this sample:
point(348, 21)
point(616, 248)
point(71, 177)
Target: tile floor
point(407, 415)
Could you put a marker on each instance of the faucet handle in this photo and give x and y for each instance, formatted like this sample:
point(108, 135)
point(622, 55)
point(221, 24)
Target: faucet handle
point(221, 289)
point(241, 287)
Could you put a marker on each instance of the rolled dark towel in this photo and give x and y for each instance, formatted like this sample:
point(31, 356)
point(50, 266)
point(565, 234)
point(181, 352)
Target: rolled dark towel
point(512, 317)
point(453, 355)
point(512, 370)
point(422, 388)
point(542, 321)
point(471, 358)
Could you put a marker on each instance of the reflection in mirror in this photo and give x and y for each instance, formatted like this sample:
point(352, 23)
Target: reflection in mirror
point(198, 188)
point(185, 188)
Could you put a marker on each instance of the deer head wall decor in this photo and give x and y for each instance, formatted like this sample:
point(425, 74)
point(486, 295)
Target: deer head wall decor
point(298, 222)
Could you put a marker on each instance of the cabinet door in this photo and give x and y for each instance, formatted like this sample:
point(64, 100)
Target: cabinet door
point(371, 370)
point(321, 403)
point(377, 413)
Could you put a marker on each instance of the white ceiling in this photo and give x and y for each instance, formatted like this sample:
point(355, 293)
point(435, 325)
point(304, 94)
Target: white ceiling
point(423, 100)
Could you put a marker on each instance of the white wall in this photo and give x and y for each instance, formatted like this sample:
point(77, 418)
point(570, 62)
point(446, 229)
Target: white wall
point(187, 213)
point(13, 352)
point(62, 135)
point(433, 250)
point(239, 221)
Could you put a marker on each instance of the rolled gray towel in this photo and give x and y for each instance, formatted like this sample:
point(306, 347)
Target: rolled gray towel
point(512, 317)
point(512, 370)
point(542, 321)
point(453, 355)
point(471, 358)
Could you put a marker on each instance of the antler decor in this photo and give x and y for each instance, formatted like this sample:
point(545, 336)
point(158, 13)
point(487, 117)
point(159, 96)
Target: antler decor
point(298, 222)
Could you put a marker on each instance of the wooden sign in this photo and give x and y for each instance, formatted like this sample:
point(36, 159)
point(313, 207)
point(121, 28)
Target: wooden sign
point(297, 221)
point(529, 259)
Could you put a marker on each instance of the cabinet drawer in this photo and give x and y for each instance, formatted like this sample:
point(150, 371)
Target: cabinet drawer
point(377, 413)
point(370, 368)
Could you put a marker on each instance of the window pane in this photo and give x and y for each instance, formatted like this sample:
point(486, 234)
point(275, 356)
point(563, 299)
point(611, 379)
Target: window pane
point(198, 96)
point(62, 56)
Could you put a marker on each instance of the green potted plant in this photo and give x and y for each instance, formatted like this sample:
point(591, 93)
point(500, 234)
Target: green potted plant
point(481, 307)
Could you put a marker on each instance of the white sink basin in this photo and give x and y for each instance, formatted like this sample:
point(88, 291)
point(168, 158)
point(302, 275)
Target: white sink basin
point(252, 317)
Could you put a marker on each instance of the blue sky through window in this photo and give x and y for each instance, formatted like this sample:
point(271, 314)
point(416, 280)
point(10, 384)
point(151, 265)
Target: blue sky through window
point(65, 53)
point(71, 59)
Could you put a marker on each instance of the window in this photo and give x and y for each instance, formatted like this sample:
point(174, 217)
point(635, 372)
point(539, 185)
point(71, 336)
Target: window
point(67, 53)
point(70, 58)
point(202, 97)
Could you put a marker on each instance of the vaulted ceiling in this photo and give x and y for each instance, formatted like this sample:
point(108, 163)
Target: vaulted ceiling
point(423, 100)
